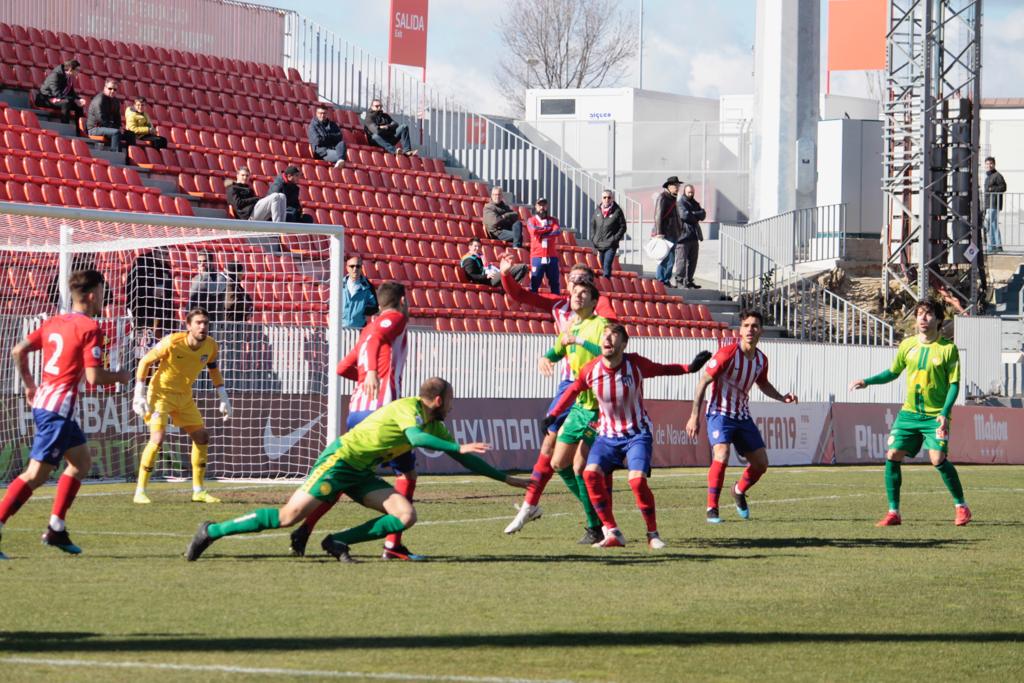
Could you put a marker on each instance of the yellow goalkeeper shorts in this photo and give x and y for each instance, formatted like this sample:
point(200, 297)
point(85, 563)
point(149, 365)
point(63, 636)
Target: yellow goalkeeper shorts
point(177, 409)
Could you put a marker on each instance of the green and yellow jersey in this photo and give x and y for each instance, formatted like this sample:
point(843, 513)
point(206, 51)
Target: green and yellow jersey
point(381, 436)
point(588, 334)
point(931, 369)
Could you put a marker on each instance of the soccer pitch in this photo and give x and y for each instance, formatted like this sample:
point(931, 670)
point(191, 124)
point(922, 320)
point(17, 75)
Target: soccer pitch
point(807, 589)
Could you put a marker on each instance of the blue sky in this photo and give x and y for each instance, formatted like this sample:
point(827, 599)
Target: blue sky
point(691, 47)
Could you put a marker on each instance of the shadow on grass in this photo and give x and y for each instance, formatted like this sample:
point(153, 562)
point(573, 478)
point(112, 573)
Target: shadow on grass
point(599, 558)
point(85, 642)
point(821, 542)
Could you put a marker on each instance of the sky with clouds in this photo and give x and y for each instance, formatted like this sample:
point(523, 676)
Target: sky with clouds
point(691, 47)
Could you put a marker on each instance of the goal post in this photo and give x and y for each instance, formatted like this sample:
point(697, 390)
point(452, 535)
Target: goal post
point(274, 294)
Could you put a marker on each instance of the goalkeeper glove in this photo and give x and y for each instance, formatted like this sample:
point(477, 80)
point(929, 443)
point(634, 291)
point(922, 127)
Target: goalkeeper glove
point(139, 403)
point(225, 405)
point(699, 360)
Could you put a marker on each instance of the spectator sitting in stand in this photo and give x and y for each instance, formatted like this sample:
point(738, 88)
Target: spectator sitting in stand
point(325, 138)
point(248, 206)
point(384, 132)
point(286, 184)
point(482, 273)
point(149, 290)
point(137, 122)
point(58, 92)
point(358, 297)
point(104, 118)
point(501, 221)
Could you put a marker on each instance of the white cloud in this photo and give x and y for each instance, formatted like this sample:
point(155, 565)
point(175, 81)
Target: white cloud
point(726, 72)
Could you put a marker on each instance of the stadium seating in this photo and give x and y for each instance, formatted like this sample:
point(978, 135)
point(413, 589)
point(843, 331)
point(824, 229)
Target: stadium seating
point(405, 216)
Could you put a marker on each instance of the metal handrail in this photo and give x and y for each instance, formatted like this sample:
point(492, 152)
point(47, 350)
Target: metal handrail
point(488, 147)
point(804, 308)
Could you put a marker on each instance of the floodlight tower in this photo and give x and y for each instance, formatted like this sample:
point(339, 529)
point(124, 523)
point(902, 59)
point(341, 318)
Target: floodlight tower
point(933, 79)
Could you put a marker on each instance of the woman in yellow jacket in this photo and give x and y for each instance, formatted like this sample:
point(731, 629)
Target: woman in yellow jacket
point(136, 121)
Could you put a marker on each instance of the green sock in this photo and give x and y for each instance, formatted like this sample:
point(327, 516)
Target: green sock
point(264, 518)
point(893, 481)
point(588, 508)
point(952, 481)
point(367, 531)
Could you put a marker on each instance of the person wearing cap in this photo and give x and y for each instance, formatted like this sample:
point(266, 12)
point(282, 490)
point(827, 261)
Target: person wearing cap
point(667, 225)
point(545, 232)
point(286, 184)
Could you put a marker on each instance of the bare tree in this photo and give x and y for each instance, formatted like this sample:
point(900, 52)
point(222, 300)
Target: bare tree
point(563, 44)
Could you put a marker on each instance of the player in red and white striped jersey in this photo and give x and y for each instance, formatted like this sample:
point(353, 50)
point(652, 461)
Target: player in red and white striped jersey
point(71, 345)
point(561, 313)
point(376, 363)
point(624, 428)
point(733, 371)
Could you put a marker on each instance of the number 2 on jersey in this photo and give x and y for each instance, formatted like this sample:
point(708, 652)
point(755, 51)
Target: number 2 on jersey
point(51, 366)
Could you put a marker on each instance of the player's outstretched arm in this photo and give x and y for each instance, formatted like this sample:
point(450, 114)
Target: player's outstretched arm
point(463, 454)
point(20, 354)
point(884, 377)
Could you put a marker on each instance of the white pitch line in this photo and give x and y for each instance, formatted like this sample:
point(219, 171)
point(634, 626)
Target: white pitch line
point(259, 671)
point(475, 520)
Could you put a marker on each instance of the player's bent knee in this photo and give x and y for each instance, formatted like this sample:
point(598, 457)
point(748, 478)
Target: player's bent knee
point(200, 437)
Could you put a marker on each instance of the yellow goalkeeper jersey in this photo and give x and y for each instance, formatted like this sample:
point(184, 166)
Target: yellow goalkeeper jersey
point(180, 364)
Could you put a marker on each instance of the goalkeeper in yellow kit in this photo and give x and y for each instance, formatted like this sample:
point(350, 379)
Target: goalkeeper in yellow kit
point(181, 357)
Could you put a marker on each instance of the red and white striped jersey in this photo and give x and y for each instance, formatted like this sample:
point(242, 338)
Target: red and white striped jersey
point(70, 343)
point(382, 348)
point(619, 392)
point(734, 375)
point(557, 305)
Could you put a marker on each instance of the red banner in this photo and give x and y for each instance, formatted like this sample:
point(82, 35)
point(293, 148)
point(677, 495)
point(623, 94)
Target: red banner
point(407, 33)
point(856, 34)
point(978, 434)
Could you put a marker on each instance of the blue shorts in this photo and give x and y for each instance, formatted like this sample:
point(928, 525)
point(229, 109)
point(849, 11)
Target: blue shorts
point(403, 464)
point(55, 435)
point(609, 453)
point(560, 418)
point(743, 434)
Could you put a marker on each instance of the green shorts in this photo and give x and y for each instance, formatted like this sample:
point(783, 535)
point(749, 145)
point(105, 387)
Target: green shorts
point(577, 427)
point(331, 476)
point(911, 430)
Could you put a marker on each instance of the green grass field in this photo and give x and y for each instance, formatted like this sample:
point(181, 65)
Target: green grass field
point(808, 589)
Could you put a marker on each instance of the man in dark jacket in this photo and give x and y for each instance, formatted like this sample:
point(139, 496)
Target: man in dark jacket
point(58, 91)
point(104, 117)
point(286, 184)
point(482, 273)
point(248, 206)
point(325, 138)
point(690, 214)
point(384, 132)
point(667, 225)
point(607, 228)
point(501, 221)
point(995, 186)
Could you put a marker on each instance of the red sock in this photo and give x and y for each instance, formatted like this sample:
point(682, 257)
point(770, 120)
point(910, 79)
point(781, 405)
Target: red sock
point(542, 474)
point(716, 477)
point(67, 489)
point(406, 487)
point(608, 482)
point(313, 517)
point(750, 477)
point(600, 498)
point(645, 501)
point(17, 493)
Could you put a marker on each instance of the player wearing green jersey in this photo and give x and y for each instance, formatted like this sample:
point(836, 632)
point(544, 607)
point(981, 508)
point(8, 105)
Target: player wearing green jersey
point(579, 342)
point(348, 466)
point(933, 380)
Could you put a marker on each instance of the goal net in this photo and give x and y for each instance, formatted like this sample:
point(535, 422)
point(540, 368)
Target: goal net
point(269, 299)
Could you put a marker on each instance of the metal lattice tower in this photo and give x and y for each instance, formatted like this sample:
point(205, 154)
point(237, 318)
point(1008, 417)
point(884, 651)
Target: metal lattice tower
point(932, 120)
